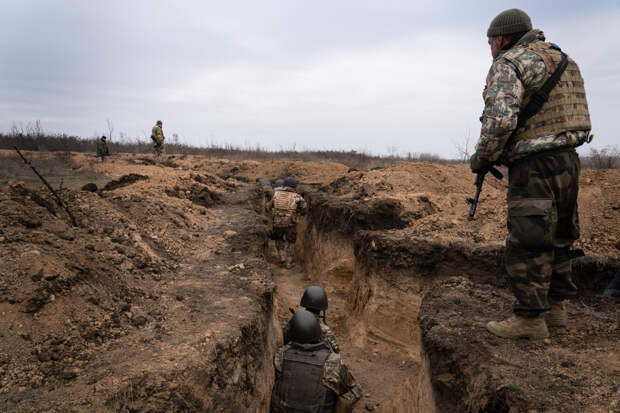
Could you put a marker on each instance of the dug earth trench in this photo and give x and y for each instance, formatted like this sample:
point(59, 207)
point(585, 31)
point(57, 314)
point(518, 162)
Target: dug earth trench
point(165, 296)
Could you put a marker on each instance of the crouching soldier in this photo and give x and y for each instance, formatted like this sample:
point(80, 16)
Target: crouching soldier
point(102, 148)
point(309, 377)
point(315, 301)
point(285, 206)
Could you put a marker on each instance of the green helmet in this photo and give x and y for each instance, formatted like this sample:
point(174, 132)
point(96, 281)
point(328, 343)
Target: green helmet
point(159, 122)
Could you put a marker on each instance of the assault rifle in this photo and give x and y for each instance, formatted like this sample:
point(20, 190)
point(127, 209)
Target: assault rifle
point(479, 180)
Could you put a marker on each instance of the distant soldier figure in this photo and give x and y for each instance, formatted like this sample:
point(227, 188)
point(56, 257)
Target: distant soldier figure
point(532, 122)
point(310, 377)
point(285, 206)
point(102, 148)
point(157, 136)
point(315, 301)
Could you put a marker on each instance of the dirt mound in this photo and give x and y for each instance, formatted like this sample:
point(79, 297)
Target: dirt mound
point(433, 199)
point(123, 181)
point(349, 215)
point(472, 370)
point(110, 304)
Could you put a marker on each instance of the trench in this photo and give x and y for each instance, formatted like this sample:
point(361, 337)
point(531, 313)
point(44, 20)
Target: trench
point(373, 314)
point(382, 285)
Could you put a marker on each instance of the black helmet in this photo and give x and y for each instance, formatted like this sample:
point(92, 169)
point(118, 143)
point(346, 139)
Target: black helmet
point(305, 328)
point(290, 182)
point(279, 182)
point(315, 298)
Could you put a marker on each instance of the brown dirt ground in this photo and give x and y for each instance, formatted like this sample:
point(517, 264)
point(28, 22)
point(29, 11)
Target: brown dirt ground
point(160, 299)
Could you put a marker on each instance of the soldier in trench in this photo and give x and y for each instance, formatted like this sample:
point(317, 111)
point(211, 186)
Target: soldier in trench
point(309, 376)
point(315, 301)
point(537, 144)
point(285, 207)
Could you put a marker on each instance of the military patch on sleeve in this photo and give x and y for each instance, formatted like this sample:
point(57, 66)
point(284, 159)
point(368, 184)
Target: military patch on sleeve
point(331, 340)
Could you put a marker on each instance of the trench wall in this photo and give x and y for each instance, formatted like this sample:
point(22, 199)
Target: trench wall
point(381, 310)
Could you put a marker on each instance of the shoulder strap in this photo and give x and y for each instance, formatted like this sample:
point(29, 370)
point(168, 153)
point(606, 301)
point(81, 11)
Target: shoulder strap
point(539, 98)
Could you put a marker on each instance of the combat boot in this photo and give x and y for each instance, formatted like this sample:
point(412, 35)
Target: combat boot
point(557, 317)
point(520, 327)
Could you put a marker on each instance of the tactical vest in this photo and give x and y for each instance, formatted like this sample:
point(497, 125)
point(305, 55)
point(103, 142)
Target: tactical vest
point(299, 388)
point(157, 135)
point(284, 208)
point(566, 109)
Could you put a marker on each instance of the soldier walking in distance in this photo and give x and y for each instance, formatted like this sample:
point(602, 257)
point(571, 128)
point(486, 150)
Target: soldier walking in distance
point(309, 377)
point(157, 136)
point(315, 301)
point(285, 206)
point(535, 114)
point(102, 148)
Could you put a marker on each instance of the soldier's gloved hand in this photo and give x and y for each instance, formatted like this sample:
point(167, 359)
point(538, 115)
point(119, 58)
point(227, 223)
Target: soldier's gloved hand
point(478, 164)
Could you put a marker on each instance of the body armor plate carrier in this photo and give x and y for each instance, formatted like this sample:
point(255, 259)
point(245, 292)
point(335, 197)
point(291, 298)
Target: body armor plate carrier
point(299, 388)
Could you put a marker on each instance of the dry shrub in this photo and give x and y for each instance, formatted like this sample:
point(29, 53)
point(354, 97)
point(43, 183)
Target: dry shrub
point(605, 158)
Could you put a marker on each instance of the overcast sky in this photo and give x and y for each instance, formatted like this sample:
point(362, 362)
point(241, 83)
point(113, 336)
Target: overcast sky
point(366, 75)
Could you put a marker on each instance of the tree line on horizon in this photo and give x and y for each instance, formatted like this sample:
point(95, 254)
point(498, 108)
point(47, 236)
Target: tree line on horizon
point(32, 137)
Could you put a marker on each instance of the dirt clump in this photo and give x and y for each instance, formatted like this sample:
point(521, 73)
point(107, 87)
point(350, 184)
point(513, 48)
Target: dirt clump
point(123, 181)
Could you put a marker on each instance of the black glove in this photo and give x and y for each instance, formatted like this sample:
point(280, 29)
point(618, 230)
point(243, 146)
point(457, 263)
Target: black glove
point(478, 164)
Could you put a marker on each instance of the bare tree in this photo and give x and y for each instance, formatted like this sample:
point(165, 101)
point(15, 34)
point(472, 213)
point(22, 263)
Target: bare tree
point(15, 130)
point(462, 148)
point(37, 128)
point(605, 158)
point(110, 129)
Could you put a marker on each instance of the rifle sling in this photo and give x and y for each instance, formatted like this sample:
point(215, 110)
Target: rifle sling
point(541, 96)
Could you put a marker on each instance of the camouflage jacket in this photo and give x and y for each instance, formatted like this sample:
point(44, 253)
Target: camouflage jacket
point(102, 148)
point(285, 206)
point(157, 135)
point(336, 375)
point(512, 73)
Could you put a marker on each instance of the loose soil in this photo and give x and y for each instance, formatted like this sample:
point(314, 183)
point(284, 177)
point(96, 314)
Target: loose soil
point(165, 296)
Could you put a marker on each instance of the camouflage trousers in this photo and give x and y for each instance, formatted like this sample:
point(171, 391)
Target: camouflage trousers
point(285, 238)
point(158, 148)
point(543, 223)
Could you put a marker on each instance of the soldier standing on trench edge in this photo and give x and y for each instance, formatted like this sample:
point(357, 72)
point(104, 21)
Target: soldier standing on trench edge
point(102, 148)
point(309, 376)
point(286, 206)
point(157, 136)
point(538, 146)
